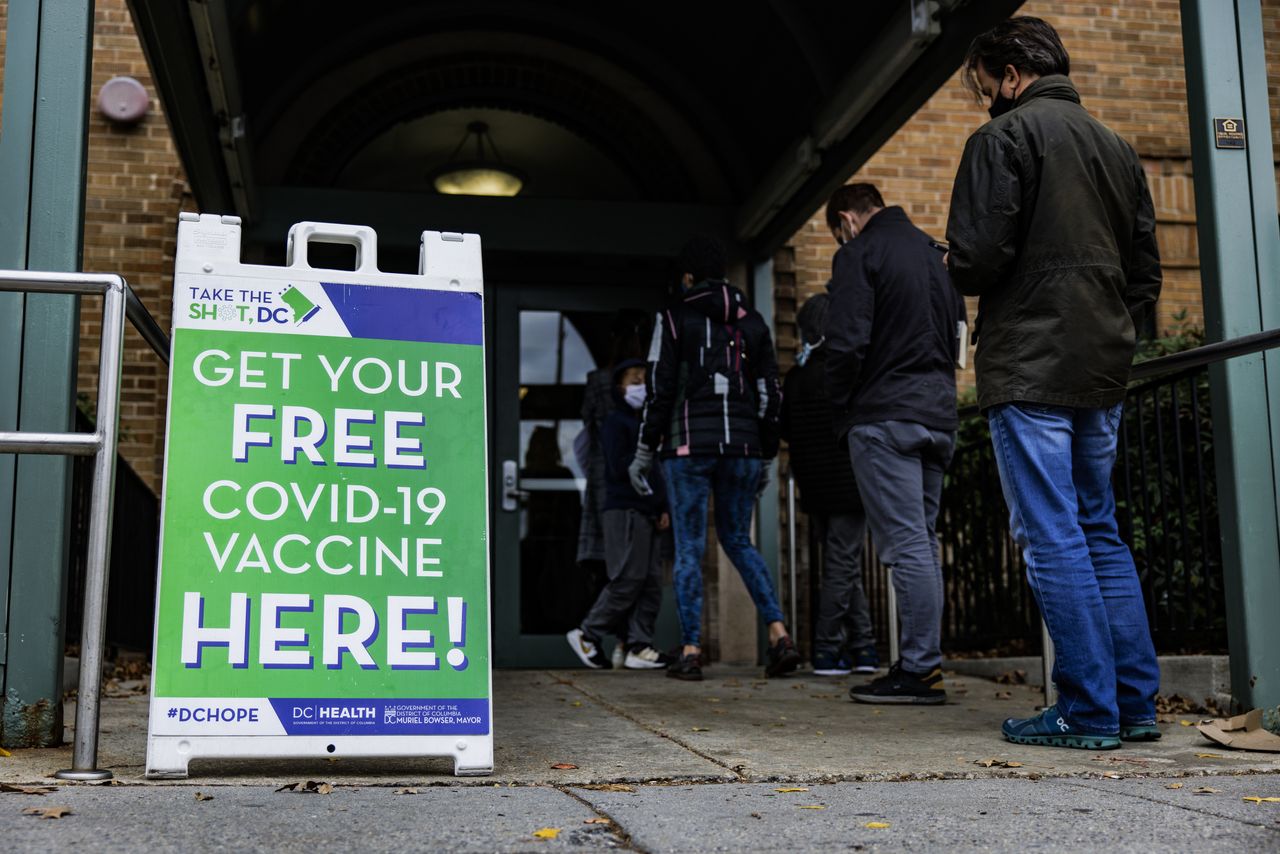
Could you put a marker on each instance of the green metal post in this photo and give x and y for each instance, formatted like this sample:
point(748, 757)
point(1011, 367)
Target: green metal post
point(43, 145)
point(1240, 268)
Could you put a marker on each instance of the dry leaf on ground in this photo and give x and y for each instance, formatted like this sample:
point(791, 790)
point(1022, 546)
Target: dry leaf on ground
point(410, 790)
point(812, 807)
point(1209, 755)
point(1111, 775)
point(547, 832)
point(611, 787)
point(26, 790)
point(756, 815)
point(1206, 790)
point(1003, 695)
point(576, 703)
point(700, 729)
point(791, 789)
point(1253, 799)
point(564, 766)
point(1012, 677)
point(201, 796)
point(4, 752)
point(314, 787)
point(877, 825)
point(997, 763)
point(1174, 786)
point(595, 821)
point(48, 812)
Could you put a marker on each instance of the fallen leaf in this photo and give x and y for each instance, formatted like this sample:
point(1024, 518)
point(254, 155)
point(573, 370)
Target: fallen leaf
point(4, 752)
point(1209, 755)
point(48, 812)
point(877, 825)
point(201, 796)
point(700, 729)
point(756, 815)
point(312, 787)
point(812, 807)
point(1174, 786)
point(1111, 775)
point(547, 832)
point(1257, 800)
point(713, 699)
point(26, 790)
point(1185, 722)
point(564, 766)
point(818, 732)
point(410, 790)
point(792, 789)
point(612, 787)
point(997, 763)
point(1205, 790)
point(595, 821)
point(1003, 695)
point(574, 703)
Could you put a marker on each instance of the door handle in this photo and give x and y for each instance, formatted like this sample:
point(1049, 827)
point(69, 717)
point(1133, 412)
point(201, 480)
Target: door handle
point(512, 494)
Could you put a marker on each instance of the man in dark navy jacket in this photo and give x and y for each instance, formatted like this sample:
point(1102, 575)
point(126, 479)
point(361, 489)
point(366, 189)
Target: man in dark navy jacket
point(891, 341)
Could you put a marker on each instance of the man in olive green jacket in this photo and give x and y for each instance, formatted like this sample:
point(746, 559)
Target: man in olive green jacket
point(1052, 227)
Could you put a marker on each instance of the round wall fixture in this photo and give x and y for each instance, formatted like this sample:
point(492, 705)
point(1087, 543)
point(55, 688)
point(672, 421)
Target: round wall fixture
point(123, 100)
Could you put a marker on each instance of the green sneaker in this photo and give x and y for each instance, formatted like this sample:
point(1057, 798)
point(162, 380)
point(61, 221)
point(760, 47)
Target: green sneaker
point(1139, 732)
point(1050, 730)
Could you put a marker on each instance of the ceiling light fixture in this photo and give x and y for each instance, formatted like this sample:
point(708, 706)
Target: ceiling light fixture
point(484, 175)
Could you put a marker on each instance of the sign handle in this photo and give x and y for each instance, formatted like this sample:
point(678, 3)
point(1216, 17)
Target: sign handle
point(362, 237)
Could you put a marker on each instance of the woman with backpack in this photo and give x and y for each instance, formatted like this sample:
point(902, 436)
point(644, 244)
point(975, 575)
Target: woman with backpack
point(712, 415)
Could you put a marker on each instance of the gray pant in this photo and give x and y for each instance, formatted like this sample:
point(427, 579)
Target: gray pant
point(844, 616)
point(632, 554)
point(899, 467)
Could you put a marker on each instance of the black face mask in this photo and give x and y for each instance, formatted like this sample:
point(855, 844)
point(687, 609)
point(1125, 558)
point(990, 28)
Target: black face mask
point(999, 105)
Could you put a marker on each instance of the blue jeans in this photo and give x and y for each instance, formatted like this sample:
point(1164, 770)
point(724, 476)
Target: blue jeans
point(1055, 466)
point(733, 481)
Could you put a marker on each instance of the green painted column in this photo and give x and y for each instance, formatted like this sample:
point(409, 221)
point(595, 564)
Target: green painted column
point(1240, 267)
point(43, 144)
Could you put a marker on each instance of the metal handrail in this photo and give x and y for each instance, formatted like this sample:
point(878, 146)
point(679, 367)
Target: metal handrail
point(118, 303)
point(1196, 357)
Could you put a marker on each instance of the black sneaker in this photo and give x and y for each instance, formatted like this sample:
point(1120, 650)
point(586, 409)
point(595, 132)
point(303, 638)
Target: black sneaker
point(781, 658)
point(902, 688)
point(687, 668)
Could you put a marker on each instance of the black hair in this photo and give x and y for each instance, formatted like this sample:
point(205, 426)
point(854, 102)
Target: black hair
point(1026, 43)
point(703, 257)
point(858, 198)
point(812, 318)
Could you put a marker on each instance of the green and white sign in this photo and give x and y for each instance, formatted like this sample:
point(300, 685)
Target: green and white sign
point(323, 581)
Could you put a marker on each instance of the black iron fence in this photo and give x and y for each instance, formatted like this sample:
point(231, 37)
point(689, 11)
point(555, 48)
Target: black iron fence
point(1166, 503)
point(1167, 510)
point(131, 590)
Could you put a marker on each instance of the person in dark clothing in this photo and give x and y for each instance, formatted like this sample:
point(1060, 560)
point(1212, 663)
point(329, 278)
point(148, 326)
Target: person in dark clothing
point(632, 526)
point(1053, 228)
point(712, 411)
point(844, 640)
point(891, 349)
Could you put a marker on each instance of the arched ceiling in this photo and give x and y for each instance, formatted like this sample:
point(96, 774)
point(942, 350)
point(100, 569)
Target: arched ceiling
point(737, 117)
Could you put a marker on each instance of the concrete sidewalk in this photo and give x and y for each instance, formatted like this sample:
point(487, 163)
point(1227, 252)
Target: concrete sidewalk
point(627, 726)
point(671, 766)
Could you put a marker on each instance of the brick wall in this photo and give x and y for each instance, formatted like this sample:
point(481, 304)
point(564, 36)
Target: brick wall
point(136, 188)
point(1126, 60)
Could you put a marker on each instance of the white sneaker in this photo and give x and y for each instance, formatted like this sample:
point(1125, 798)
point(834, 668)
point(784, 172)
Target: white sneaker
point(585, 650)
point(647, 658)
point(619, 655)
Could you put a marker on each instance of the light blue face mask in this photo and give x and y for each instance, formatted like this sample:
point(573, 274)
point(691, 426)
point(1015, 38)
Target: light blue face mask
point(634, 395)
point(807, 350)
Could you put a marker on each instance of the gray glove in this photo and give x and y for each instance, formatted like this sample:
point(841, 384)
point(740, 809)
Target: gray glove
point(763, 484)
point(638, 470)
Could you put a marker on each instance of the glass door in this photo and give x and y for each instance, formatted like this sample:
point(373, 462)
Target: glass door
point(545, 341)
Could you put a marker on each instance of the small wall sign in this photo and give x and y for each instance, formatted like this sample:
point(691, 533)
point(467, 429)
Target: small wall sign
point(1228, 133)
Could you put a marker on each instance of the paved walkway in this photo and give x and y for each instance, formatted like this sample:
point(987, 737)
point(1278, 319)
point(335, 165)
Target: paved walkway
point(670, 766)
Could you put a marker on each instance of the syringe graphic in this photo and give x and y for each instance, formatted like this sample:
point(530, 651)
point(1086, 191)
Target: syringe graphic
point(303, 308)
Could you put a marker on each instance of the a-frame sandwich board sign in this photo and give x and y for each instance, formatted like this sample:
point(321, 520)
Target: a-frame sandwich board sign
point(324, 556)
